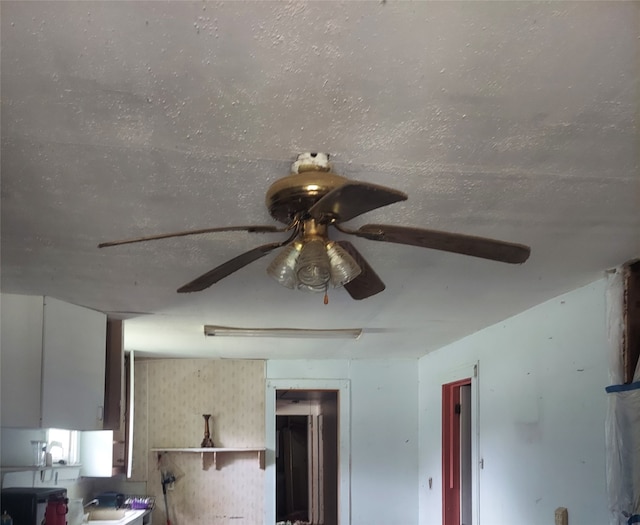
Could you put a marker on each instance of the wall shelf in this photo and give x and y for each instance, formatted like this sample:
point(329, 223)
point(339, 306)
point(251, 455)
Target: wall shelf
point(51, 473)
point(210, 455)
point(38, 469)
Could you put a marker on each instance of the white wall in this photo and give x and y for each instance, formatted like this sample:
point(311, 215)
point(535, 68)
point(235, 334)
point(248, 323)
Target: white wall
point(541, 413)
point(384, 433)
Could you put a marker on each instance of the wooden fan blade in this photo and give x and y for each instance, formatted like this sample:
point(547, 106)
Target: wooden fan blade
point(250, 229)
point(367, 283)
point(227, 268)
point(353, 199)
point(449, 242)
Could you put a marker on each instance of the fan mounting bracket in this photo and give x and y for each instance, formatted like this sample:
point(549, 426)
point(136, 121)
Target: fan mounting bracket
point(311, 179)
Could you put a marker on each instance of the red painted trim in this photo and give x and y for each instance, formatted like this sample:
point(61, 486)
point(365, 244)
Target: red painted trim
point(451, 452)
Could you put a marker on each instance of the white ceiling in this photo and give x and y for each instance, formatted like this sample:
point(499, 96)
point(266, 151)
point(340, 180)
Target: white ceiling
point(511, 120)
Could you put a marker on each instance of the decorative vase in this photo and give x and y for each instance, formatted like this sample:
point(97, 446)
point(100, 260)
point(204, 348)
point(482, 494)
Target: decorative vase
point(206, 442)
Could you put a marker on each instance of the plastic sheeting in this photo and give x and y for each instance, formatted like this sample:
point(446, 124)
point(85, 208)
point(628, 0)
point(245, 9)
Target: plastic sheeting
point(623, 452)
point(622, 434)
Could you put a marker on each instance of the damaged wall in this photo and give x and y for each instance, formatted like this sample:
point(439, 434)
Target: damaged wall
point(170, 397)
point(541, 407)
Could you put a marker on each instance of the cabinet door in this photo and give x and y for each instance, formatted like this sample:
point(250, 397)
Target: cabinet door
point(21, 343)
point(73, 366)
point(96, 453)
point(114, 388)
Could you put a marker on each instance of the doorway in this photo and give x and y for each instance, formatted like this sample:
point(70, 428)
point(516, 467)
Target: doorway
point(457, 501)
point(307, 456)
point(343, 389)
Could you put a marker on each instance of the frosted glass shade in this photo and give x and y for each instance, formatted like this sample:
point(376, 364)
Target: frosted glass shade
point(312, 264)
point(344, 268)
point(313, 268)
point(283, 267)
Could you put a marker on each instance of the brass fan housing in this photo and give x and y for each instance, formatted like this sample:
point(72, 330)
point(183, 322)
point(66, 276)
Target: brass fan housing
point(310, 180)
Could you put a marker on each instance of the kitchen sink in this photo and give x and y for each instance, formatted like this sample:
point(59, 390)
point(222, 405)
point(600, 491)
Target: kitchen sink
point(107, 514)
point(113, 516)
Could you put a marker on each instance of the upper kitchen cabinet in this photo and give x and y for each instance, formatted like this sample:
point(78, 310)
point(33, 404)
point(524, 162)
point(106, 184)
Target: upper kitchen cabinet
point(115, 384)
point(21, 318)
point(117, 396)
point(53, 364)
point(73, 364)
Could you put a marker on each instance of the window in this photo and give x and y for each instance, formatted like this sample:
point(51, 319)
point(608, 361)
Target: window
point(63, 446)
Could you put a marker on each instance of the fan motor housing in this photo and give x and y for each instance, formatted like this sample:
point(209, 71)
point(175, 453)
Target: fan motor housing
point(295, 194)
point(310, 180)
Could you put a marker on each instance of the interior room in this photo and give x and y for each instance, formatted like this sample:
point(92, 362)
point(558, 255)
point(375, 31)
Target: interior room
point(320, 262)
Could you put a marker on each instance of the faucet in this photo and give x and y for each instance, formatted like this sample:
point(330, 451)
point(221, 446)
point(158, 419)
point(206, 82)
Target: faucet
point(92, 502)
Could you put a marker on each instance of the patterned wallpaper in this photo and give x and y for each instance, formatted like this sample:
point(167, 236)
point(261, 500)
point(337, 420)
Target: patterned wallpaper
point(170, 397)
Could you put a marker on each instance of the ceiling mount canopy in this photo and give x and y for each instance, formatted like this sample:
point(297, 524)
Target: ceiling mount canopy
point(309, 201)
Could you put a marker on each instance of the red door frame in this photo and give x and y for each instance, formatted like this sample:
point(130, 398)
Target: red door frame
point(451, 452)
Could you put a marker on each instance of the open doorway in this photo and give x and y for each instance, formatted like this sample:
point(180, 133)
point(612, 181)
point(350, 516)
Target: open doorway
point(307, 456)
point(457, 503)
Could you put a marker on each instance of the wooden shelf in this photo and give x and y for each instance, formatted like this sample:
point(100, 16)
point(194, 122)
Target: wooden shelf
point(210, 455)
point(38, 469)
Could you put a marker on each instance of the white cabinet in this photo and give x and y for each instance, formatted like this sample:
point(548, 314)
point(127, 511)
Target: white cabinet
point(53, 363)
point(21, 345)
point(96, 453)
point(73, 361)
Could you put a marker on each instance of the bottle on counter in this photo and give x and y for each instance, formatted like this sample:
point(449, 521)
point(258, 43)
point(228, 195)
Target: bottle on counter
point(76, 512)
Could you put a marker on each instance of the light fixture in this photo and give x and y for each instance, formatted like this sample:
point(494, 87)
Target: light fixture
point(311, 264)
point(313, 268)
point(303, 333)
point(283, 267)
point(344, 268)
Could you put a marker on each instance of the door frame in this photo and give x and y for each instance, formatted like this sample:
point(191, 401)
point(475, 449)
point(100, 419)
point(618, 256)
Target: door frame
point(344, 441)
point(461, 376)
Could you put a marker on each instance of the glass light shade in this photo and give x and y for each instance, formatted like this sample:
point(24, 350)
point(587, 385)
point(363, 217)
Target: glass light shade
point(344, 268)
point(283, 267)
point(313, 268)
point(321, 288)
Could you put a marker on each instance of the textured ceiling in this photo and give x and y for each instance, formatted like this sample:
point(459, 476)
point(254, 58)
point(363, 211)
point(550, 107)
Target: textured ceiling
point(511, 120)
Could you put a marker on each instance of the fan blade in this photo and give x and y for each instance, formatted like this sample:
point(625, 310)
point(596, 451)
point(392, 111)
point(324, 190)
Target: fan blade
point(353, 199)
point(449, 242)
point(227, 268)
point(367, 283)
point(250, 229)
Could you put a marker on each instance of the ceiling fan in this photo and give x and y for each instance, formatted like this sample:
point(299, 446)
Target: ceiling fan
point(310, 200)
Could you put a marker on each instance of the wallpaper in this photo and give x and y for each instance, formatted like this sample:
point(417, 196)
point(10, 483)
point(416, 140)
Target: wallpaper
point(171, 395)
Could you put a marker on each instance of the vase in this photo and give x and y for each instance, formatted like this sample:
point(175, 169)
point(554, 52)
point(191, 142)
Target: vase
point(206, 442)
